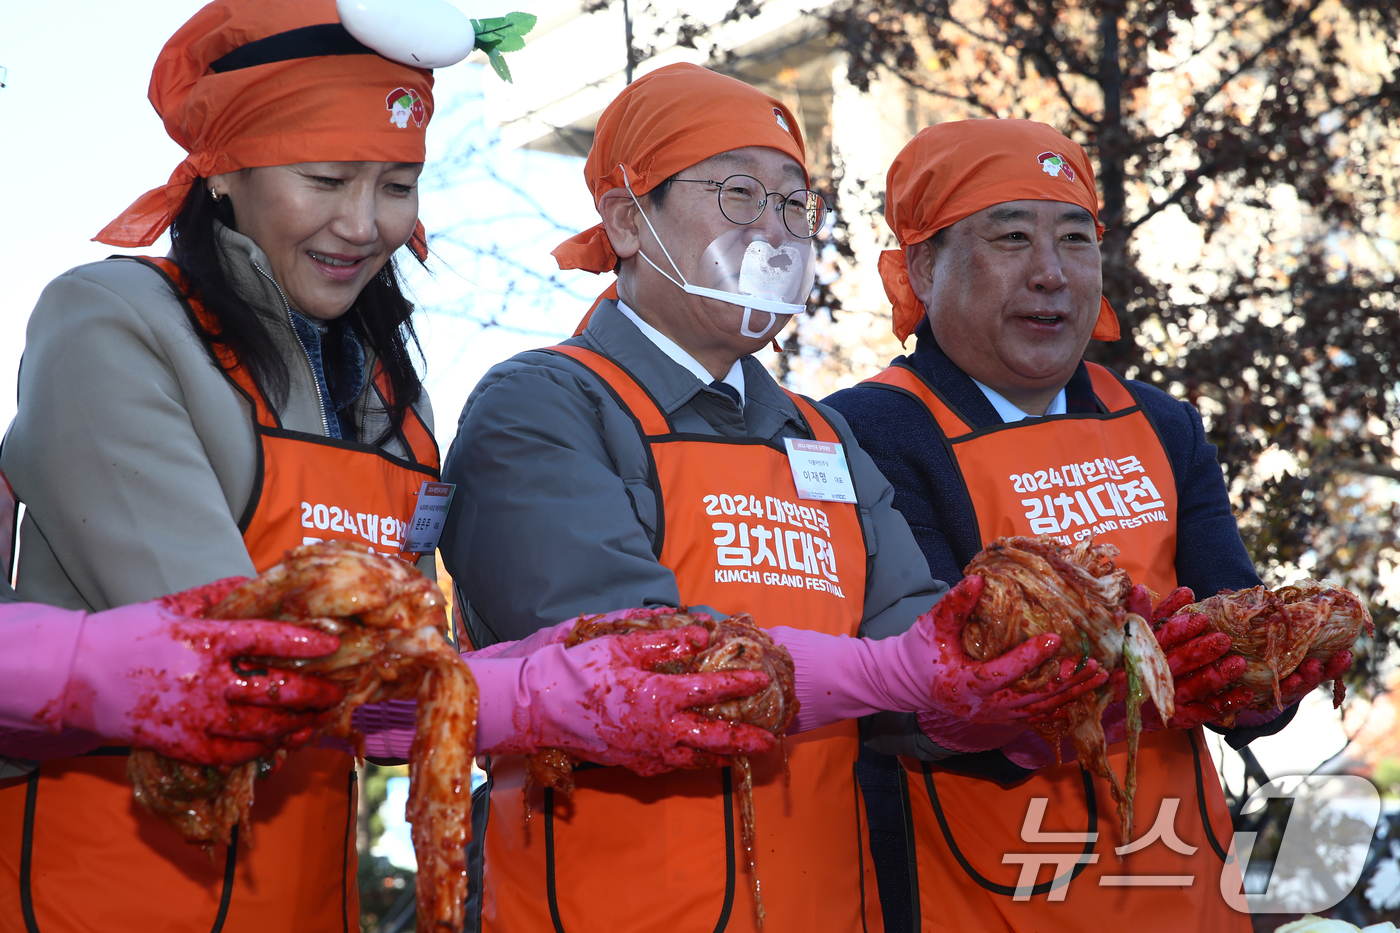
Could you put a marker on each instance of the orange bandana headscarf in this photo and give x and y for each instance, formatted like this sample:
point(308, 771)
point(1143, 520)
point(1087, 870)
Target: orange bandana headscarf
point(666, 121)
point(248, 83)
point(953, 170)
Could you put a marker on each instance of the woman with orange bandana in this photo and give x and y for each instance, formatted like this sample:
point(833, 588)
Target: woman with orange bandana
point(996, 426)
point(191, 417)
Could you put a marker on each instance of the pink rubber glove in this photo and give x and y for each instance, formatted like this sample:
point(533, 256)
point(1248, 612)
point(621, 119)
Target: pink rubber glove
point(388, 727)
point(925, 668)
point(524, 647)
point(152, 675)
point(558, 634)
point(1200, 669)
point(598, 700)
point(1308, 676)
point(959, 735)
point(1192, 653)
point(1311, 674)
point(1204, 676)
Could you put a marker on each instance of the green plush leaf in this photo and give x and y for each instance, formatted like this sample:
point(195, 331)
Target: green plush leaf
point(498, 34)
point(498, 62)
point(511, 44)
point(506, 32)
point(523, 22)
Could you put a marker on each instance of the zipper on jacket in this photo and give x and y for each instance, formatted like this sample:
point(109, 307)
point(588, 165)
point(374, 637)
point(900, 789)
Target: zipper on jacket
point(315, 383)
point(364, 400)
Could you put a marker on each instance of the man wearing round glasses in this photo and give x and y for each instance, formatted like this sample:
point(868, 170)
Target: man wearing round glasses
point(651, 461)
point(742, 199)
point(744, 269)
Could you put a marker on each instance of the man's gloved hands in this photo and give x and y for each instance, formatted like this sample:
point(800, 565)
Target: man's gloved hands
point(1311, 674)
point(925, 668)
point(1205, 673)
point(1201, 672)
point(1307, 677)
point(1200, 669)
point(598, 700)
point(153, 675)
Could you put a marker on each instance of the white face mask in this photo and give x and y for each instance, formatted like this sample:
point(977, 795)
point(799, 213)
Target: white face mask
point(742, 267)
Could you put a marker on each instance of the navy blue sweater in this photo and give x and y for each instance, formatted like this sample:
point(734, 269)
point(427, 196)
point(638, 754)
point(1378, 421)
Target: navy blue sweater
point(897, 432)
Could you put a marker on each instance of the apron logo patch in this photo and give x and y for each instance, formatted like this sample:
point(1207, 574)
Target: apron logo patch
point(1076, 500)
point(403, 103)
point(383, 533)
point(773, 542)
point(1054, 165)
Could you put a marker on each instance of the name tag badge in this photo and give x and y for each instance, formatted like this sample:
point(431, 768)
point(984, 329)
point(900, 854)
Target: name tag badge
point(819, 470)
point(425, 528)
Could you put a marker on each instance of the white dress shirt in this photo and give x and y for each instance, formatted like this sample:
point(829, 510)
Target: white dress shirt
point(1010, 413)
point(735, 376)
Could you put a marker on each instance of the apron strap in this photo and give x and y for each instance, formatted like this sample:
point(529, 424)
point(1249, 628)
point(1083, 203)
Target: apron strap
point(236, 372)
point(816, 421)
point(901, 378)
point(417, 439)
point(1109, 388)
point(630, 392)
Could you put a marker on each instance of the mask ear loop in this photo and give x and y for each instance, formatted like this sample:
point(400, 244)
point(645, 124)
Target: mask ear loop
point(682, 283)
point(685, 286)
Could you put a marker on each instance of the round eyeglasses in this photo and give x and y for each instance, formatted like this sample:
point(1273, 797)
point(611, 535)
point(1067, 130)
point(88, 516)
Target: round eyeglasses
point(742, 199)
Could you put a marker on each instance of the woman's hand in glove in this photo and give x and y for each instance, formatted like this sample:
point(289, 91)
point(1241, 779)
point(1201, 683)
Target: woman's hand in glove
point(157, 676)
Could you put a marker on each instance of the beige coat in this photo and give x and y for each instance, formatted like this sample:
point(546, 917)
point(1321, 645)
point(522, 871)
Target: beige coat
point(133, 454)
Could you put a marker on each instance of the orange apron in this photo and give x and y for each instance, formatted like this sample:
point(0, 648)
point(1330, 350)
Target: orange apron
point(627, 854)
point(79, 855)
point(1070, 476)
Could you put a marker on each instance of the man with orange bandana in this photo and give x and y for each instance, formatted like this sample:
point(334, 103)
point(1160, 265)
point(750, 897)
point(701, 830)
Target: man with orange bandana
point(651, 461)
point(996, 426)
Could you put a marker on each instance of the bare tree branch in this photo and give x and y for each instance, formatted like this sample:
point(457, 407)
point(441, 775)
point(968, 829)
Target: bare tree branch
point(1202, 99)
point(1367, 468)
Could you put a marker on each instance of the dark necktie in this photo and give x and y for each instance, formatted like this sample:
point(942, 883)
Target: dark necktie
point(728, 390)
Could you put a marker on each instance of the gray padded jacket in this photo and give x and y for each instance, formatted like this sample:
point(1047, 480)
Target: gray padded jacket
point(555, 514)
